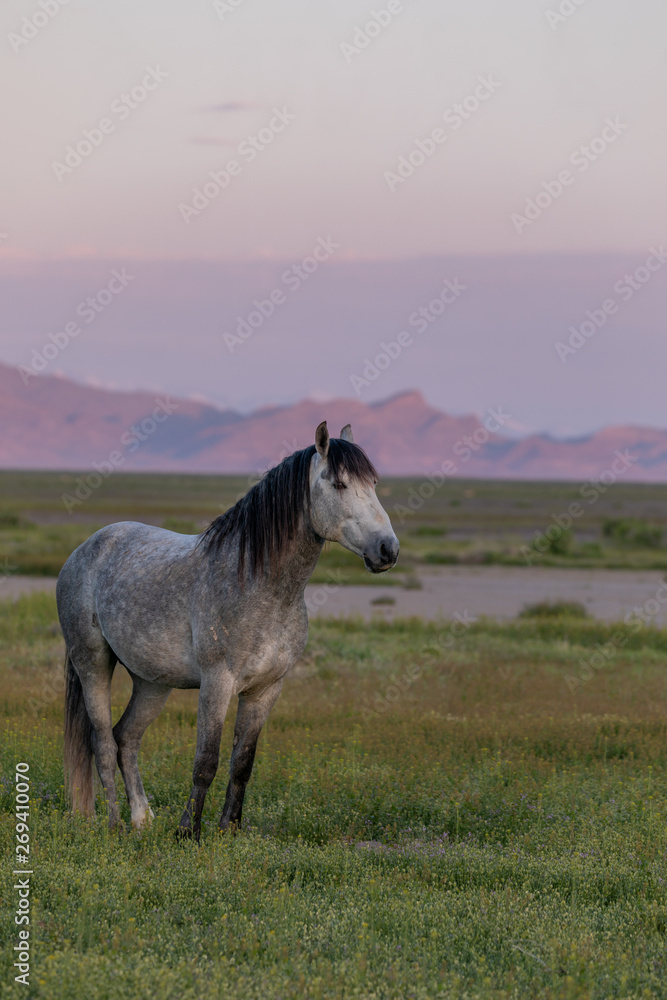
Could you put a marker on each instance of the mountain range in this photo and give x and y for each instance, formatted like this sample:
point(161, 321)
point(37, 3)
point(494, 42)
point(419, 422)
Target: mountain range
point(49, 422)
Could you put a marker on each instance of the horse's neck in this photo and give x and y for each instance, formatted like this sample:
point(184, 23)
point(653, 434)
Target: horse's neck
point(297, 563)
point(288, 580)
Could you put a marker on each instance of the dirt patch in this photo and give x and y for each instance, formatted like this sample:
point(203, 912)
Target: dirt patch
point(16, 586)
point(497, 591)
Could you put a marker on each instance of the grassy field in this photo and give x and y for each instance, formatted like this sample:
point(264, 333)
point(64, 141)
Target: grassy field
point(435, 812)
point(463, 521)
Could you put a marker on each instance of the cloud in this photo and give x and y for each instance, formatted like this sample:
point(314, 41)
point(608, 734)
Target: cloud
point(227, 106)
point(212, 141)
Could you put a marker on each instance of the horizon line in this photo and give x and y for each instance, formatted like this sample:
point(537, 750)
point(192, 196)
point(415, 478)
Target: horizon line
point(203, 400)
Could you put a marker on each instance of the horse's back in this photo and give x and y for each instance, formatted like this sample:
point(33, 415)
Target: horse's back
point(126, 550)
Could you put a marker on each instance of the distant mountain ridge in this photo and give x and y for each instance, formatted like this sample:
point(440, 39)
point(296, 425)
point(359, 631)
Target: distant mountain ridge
point(54, 423)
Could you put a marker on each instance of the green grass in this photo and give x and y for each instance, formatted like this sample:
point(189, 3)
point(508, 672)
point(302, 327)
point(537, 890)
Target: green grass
point(434, 812)
point(463, 522)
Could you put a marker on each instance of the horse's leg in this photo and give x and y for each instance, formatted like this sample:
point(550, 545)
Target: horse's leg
point(214, 697)
point(95, 679)
point(253, 711)
point(146, 703)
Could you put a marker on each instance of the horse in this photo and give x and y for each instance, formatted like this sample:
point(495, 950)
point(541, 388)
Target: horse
point(223, 611)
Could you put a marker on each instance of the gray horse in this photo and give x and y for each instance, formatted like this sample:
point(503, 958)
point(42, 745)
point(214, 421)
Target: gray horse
point(223, 611)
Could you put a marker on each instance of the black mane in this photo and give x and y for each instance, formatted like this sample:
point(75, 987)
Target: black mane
point(269, 514)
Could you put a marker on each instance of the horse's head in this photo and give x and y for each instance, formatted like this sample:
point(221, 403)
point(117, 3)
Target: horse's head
point(343, 505)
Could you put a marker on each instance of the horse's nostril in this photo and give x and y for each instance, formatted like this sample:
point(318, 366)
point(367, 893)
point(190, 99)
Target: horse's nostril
point(383, 551)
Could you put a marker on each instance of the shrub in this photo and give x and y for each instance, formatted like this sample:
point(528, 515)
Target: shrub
point(648, 536)
point(10, 519)
point(617, 528)
point(592, 550)
point(441, 558)
point(554, 609)
point(631, 531)
point(558, 545)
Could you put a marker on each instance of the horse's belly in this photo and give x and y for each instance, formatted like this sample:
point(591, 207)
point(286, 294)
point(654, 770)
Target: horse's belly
point(162, 654)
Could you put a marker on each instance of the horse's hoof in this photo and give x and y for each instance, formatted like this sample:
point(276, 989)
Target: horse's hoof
point(232, 828)
point(185, 833)
point(141, 821)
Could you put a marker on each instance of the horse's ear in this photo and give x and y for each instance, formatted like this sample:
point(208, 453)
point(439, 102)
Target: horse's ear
point(322, 439)
point(346, 434)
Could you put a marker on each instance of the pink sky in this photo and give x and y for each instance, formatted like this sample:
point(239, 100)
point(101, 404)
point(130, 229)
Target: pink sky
point(355, 114)
point(477, 137)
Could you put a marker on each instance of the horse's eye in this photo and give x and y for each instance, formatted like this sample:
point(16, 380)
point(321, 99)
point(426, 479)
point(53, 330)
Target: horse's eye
point(340, 486)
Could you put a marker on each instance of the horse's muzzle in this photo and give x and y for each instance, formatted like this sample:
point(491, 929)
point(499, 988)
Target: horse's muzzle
point(383, 555)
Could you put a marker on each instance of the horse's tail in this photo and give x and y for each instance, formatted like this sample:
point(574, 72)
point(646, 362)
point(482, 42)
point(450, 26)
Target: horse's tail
point(78, 744)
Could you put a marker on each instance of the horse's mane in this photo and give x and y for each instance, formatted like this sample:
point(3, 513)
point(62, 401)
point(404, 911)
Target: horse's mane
point(268, 516)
